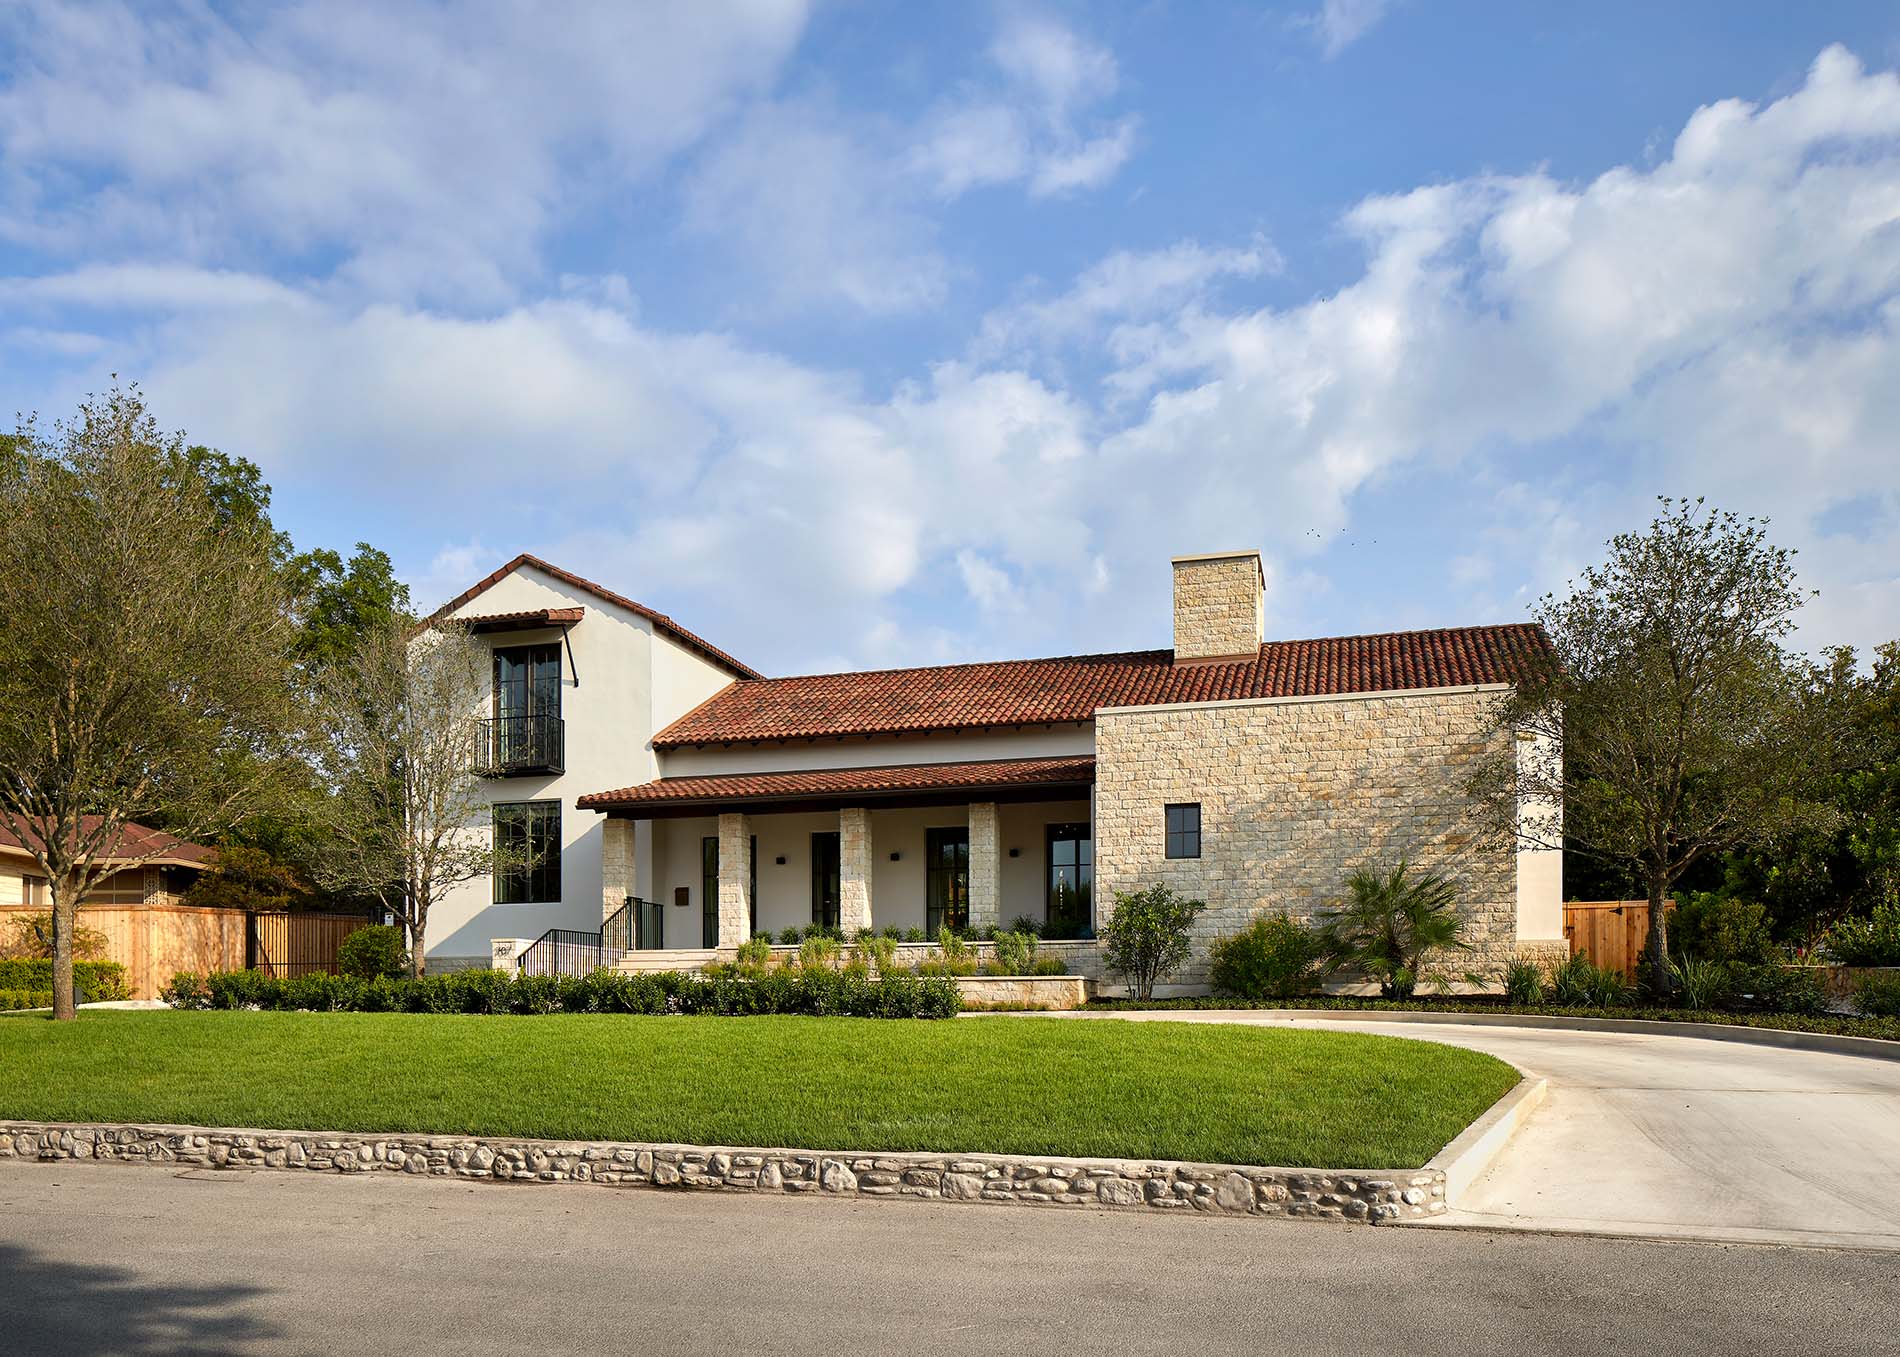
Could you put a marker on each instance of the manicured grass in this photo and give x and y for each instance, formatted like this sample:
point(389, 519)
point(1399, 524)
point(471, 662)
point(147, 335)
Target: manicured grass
point(1023, 1085)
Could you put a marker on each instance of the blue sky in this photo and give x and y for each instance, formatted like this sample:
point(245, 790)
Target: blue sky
point(862, 334)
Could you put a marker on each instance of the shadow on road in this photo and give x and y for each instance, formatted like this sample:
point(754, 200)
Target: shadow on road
point(56, 1307)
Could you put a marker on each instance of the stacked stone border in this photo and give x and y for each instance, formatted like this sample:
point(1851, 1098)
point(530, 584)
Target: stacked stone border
point(1373, 1196)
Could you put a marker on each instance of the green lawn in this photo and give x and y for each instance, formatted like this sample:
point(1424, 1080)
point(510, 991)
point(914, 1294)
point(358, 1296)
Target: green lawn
point(1025, 1085)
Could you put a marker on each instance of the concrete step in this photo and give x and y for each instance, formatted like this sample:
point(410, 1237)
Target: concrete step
point(670, 959)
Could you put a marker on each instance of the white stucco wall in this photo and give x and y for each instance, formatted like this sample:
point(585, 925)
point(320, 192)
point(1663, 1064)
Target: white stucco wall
point(631, 681)
point(794, 756)
point(1540, 871)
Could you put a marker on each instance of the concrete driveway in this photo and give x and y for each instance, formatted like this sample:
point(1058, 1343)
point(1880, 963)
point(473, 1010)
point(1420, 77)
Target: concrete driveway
point(1676, 1137)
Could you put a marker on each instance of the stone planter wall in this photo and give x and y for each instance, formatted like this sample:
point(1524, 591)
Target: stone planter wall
point(1051, 992)
point(1216, 1189)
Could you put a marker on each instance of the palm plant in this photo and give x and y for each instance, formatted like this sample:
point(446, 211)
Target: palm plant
point(1388, 923)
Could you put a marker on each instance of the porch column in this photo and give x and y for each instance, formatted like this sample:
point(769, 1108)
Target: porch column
point(854, 870)
point(735, 879)
point(618, 858)
point(986, 868)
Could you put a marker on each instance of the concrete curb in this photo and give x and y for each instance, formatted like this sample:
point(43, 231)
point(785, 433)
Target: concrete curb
point(1477, 1147)
point(1871, 1048)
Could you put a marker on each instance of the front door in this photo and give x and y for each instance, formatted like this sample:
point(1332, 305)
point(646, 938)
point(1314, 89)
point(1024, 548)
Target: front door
point(1071, 881)
point(946, 879)
point(827, 891)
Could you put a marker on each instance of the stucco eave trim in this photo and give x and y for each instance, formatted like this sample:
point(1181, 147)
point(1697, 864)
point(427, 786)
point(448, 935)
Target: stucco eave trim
point(1458, 691)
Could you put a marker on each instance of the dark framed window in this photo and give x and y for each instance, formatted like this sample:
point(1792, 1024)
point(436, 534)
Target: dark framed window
point(709, 889)
point(529, 833)
point(528, 680)
point(827, 884)
point(946, 879)
point(1071, 881)
point(1184, 830)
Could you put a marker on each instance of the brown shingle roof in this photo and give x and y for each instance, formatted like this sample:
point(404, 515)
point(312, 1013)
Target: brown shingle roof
point(659, 620)
point(728, 788)
point(136, 843)
point(1036, 692)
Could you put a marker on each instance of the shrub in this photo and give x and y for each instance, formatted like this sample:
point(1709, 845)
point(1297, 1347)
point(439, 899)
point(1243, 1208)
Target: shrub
point(94, 982)
point(810, 931)
point(1782, 989)
point(12, 1000)
point(1703, 984)
point(1048, 965)
point(1719, 927)
point(1272, 958)
point(1015, 953)
point(891, 931)
point(1878, 996)
point(818, 952)
point(372, 951)
point(186, 989)
point(33, 939)
point(1147, 937)
point(875, 950)
point(1523, 982)
point(789, 936)
point(1581, 983)
point(1870, 941)
point(1389, 922)
point(754, 958)
point(914, 935)
point(953, 956)
point(1022, 923)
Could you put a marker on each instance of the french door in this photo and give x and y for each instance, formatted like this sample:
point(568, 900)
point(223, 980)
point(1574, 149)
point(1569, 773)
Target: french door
point(827, 888)
point(946, 879)
point(1071, 881)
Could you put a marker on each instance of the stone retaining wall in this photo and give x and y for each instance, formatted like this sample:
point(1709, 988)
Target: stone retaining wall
point(1218, 1189)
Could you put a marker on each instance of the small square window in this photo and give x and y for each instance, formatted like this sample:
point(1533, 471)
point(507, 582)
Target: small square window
point(1184, 830)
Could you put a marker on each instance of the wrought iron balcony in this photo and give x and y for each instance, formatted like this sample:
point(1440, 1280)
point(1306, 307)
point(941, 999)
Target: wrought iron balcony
point(520, 746)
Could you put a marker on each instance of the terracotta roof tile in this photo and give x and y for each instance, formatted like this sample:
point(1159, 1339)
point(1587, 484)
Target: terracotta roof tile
point(1067, 770)
point(660, 620)
point(532, 617)
point(1072, 688)
point(136, 843)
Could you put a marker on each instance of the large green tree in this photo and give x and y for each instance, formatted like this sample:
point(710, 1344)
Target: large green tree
point(1671, 727)
point(144, 649)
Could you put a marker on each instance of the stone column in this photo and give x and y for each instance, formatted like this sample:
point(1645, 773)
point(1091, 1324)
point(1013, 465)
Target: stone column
point(618, 863)
point(854, 870)
point(735, 879)
point(986, 868)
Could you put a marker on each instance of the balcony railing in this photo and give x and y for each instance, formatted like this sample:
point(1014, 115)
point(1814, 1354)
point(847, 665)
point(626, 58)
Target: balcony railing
point(514, 746)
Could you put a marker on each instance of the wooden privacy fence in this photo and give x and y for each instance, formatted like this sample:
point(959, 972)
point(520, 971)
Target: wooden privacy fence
point(1613, 932)
point(155, 940)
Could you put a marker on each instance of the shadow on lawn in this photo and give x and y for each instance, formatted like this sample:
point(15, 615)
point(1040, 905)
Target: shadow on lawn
point(52, 1307)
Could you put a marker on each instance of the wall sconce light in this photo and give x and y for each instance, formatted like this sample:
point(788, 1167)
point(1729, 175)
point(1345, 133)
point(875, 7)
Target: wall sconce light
point(1015, 852)
point(896, 856)
point(780, 859)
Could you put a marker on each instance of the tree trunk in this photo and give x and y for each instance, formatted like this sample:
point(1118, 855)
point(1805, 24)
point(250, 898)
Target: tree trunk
point(65, 917)
point(416, 934)
point(1662, 981)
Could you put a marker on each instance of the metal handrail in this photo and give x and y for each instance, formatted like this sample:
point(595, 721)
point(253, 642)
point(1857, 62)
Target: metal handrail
point(573, 951)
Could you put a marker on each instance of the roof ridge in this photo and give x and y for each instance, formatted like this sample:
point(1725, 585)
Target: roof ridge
point(972, 664)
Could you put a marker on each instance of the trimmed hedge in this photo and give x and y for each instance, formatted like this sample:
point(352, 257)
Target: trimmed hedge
point(95, 981)
point(823, 993)
point(12, 1000)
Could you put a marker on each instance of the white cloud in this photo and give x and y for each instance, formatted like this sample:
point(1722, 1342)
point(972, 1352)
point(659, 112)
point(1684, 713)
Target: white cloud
point(1034, 122)
point(431, 147)
point(1338, 24)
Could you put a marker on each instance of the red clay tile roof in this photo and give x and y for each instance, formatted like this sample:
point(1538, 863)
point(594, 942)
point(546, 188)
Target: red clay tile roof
point(136, 843)
point(725, 788)
point(533, 617)
point(660, 620)
point(1036, 692)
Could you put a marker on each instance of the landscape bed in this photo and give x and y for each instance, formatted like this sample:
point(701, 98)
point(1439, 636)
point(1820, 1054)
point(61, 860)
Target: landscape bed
point(1015, 1086)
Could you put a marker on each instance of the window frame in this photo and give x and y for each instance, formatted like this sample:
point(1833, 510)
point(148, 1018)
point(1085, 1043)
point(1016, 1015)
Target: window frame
point(534, 882)
point(1180, 843)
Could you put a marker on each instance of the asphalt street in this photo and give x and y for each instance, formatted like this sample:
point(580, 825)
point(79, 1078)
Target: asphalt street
point(102, 1258)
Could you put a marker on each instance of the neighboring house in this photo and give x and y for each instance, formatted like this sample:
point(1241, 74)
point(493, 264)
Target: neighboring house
point(161, 868)
point(1247, 773)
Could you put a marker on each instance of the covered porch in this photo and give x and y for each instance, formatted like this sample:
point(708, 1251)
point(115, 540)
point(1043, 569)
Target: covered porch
point(913, 847)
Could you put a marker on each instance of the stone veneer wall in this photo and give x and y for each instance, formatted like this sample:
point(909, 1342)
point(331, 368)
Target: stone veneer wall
point(1222, 1189)
point(1293, 795)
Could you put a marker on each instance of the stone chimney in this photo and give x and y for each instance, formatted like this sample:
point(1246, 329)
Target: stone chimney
point(1220, 606)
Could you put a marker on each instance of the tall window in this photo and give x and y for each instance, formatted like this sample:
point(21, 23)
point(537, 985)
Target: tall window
point(1071, 881)
point(1184, 830)
point(709, 889)
point(946, 879)
point(529, 832)
point(527, 704)
point(826, 883)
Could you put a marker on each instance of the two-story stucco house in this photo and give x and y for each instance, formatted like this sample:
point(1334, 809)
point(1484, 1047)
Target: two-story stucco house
point(1248, 773)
